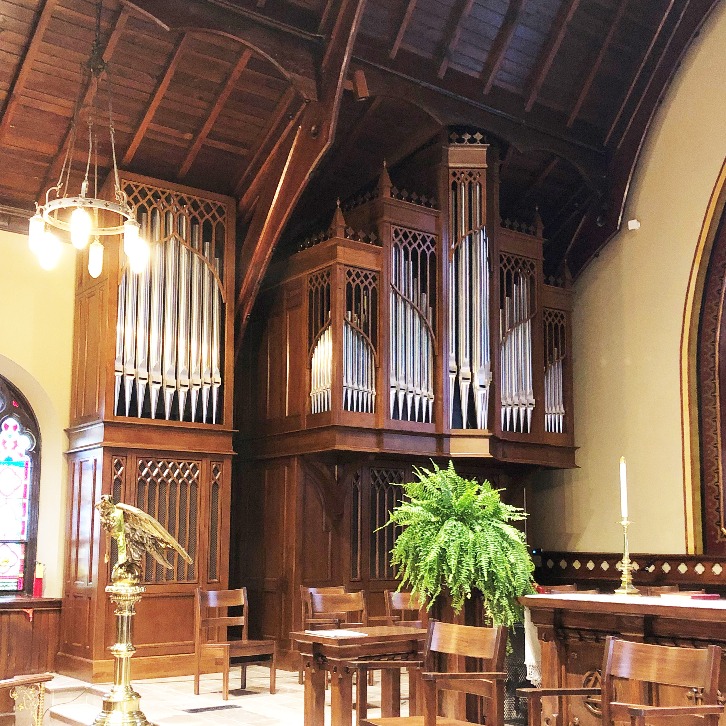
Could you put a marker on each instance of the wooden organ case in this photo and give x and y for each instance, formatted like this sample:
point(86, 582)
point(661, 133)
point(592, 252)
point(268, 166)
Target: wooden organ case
point(151, 416)
point(408, 330)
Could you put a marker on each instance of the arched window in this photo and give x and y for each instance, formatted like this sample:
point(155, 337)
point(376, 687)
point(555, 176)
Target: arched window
point(19, 478)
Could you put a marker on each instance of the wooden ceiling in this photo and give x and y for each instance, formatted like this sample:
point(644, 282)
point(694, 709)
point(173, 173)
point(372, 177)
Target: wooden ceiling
point(210, 92)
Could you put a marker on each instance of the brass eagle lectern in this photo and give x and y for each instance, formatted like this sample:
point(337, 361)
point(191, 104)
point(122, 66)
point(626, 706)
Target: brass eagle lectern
point(136, 534)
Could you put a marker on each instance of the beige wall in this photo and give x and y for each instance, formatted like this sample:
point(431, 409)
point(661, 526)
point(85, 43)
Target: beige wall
point(36, 330)
point(628, 321)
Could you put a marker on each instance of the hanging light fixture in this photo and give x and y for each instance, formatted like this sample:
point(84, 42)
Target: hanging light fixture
point(83, 215)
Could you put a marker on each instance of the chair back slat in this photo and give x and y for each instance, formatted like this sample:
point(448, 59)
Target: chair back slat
point(666, 665)
point(223, 620)
point(488, 644)
point(211, 611)
point(338, 602)
point(654, 666)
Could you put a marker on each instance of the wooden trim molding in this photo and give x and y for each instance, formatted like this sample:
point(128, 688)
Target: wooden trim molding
point(711, 377)
point(690, 380)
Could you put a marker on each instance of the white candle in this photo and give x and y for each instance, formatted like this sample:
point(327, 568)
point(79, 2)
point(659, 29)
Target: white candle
point(623, 490)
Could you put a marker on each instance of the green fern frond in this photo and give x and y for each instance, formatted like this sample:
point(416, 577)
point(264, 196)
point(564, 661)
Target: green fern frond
point(456, 533)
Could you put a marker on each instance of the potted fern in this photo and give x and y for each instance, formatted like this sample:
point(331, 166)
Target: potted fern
point(457, 535)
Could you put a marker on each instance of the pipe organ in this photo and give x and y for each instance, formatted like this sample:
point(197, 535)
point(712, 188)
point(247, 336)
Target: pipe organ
point(430, 328)
point(170, 316)
point(151, 421)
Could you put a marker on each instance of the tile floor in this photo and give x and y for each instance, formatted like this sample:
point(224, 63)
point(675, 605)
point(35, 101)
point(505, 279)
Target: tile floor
point(171, 701)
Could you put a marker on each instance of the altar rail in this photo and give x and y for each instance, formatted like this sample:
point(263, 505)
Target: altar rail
point(599, 570)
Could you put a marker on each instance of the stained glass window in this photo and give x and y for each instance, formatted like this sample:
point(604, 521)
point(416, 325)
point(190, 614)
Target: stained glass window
point(18, 490)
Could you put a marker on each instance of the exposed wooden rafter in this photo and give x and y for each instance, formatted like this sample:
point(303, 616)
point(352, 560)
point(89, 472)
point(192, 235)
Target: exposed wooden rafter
point(156, 98)
point(287, 177)
point(595, 65)
point(402, 25)
point(646, 57)
point(604, 218)
point(217, 107)
point(26, 63)
point(547, 56)
point(500, 44)
point(291, 50)
point(546, 169)
point(458, 101)
point(276, 133)
point(451, 33)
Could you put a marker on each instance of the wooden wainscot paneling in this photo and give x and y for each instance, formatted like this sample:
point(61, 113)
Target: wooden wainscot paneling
point(29, 635)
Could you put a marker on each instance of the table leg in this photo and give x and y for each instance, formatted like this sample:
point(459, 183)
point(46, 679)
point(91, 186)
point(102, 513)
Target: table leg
point(415, 707)
point(361, 695)
point(390, 692)
point(341, 696)
point(314, 695)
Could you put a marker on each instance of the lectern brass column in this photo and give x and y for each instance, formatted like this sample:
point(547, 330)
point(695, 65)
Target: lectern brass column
point(136, 534)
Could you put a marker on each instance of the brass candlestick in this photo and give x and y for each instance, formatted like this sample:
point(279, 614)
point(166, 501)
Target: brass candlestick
point(625, 565)
point(136, 534)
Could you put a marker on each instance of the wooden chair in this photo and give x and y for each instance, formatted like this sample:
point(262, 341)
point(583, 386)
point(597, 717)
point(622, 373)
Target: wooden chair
point(402, 608)
point(649, 668)
point(445, 640)
point(307, 620)
point(339, 608)
point(211, 612)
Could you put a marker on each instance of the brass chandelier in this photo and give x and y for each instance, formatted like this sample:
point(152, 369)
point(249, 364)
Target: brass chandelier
point(79, 211)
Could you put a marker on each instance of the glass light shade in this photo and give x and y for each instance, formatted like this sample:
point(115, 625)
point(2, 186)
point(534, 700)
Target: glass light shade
point(36, 229)
point(139, 259)
point(49, 251)
point(81, 226)
point(131, 237)
point(95, 258)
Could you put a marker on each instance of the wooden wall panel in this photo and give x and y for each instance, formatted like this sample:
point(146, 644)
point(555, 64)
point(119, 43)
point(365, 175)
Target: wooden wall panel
point(316, 537)
point(89, 337)
point(29, 632)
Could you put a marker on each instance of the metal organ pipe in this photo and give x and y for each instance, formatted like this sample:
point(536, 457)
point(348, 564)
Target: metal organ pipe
point(411, 374)
point(169, 324)
point(517, 394)
point(469, 326)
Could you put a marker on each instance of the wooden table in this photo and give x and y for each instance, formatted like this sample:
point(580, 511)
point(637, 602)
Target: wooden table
point(571, 629)
point(325, 654)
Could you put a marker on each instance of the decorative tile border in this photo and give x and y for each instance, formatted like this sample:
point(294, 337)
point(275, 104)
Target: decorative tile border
point(592, 569)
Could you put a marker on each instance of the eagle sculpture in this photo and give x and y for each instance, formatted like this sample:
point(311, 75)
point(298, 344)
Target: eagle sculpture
point(136, 533)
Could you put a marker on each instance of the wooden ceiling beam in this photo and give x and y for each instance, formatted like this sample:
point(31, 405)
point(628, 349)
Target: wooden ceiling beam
point(500, 44)
point(216, 109)
point(535, 184)
point(402, 26)
point(287, 175)
point(276, 133)
point(25, 66)
point(605, 216)
point(118, 25)
point(291, 50)
point(451, 34)
point(549, 51)
point(595, 66)
point(154, 102)
point(646, 57)
point(457, 101)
